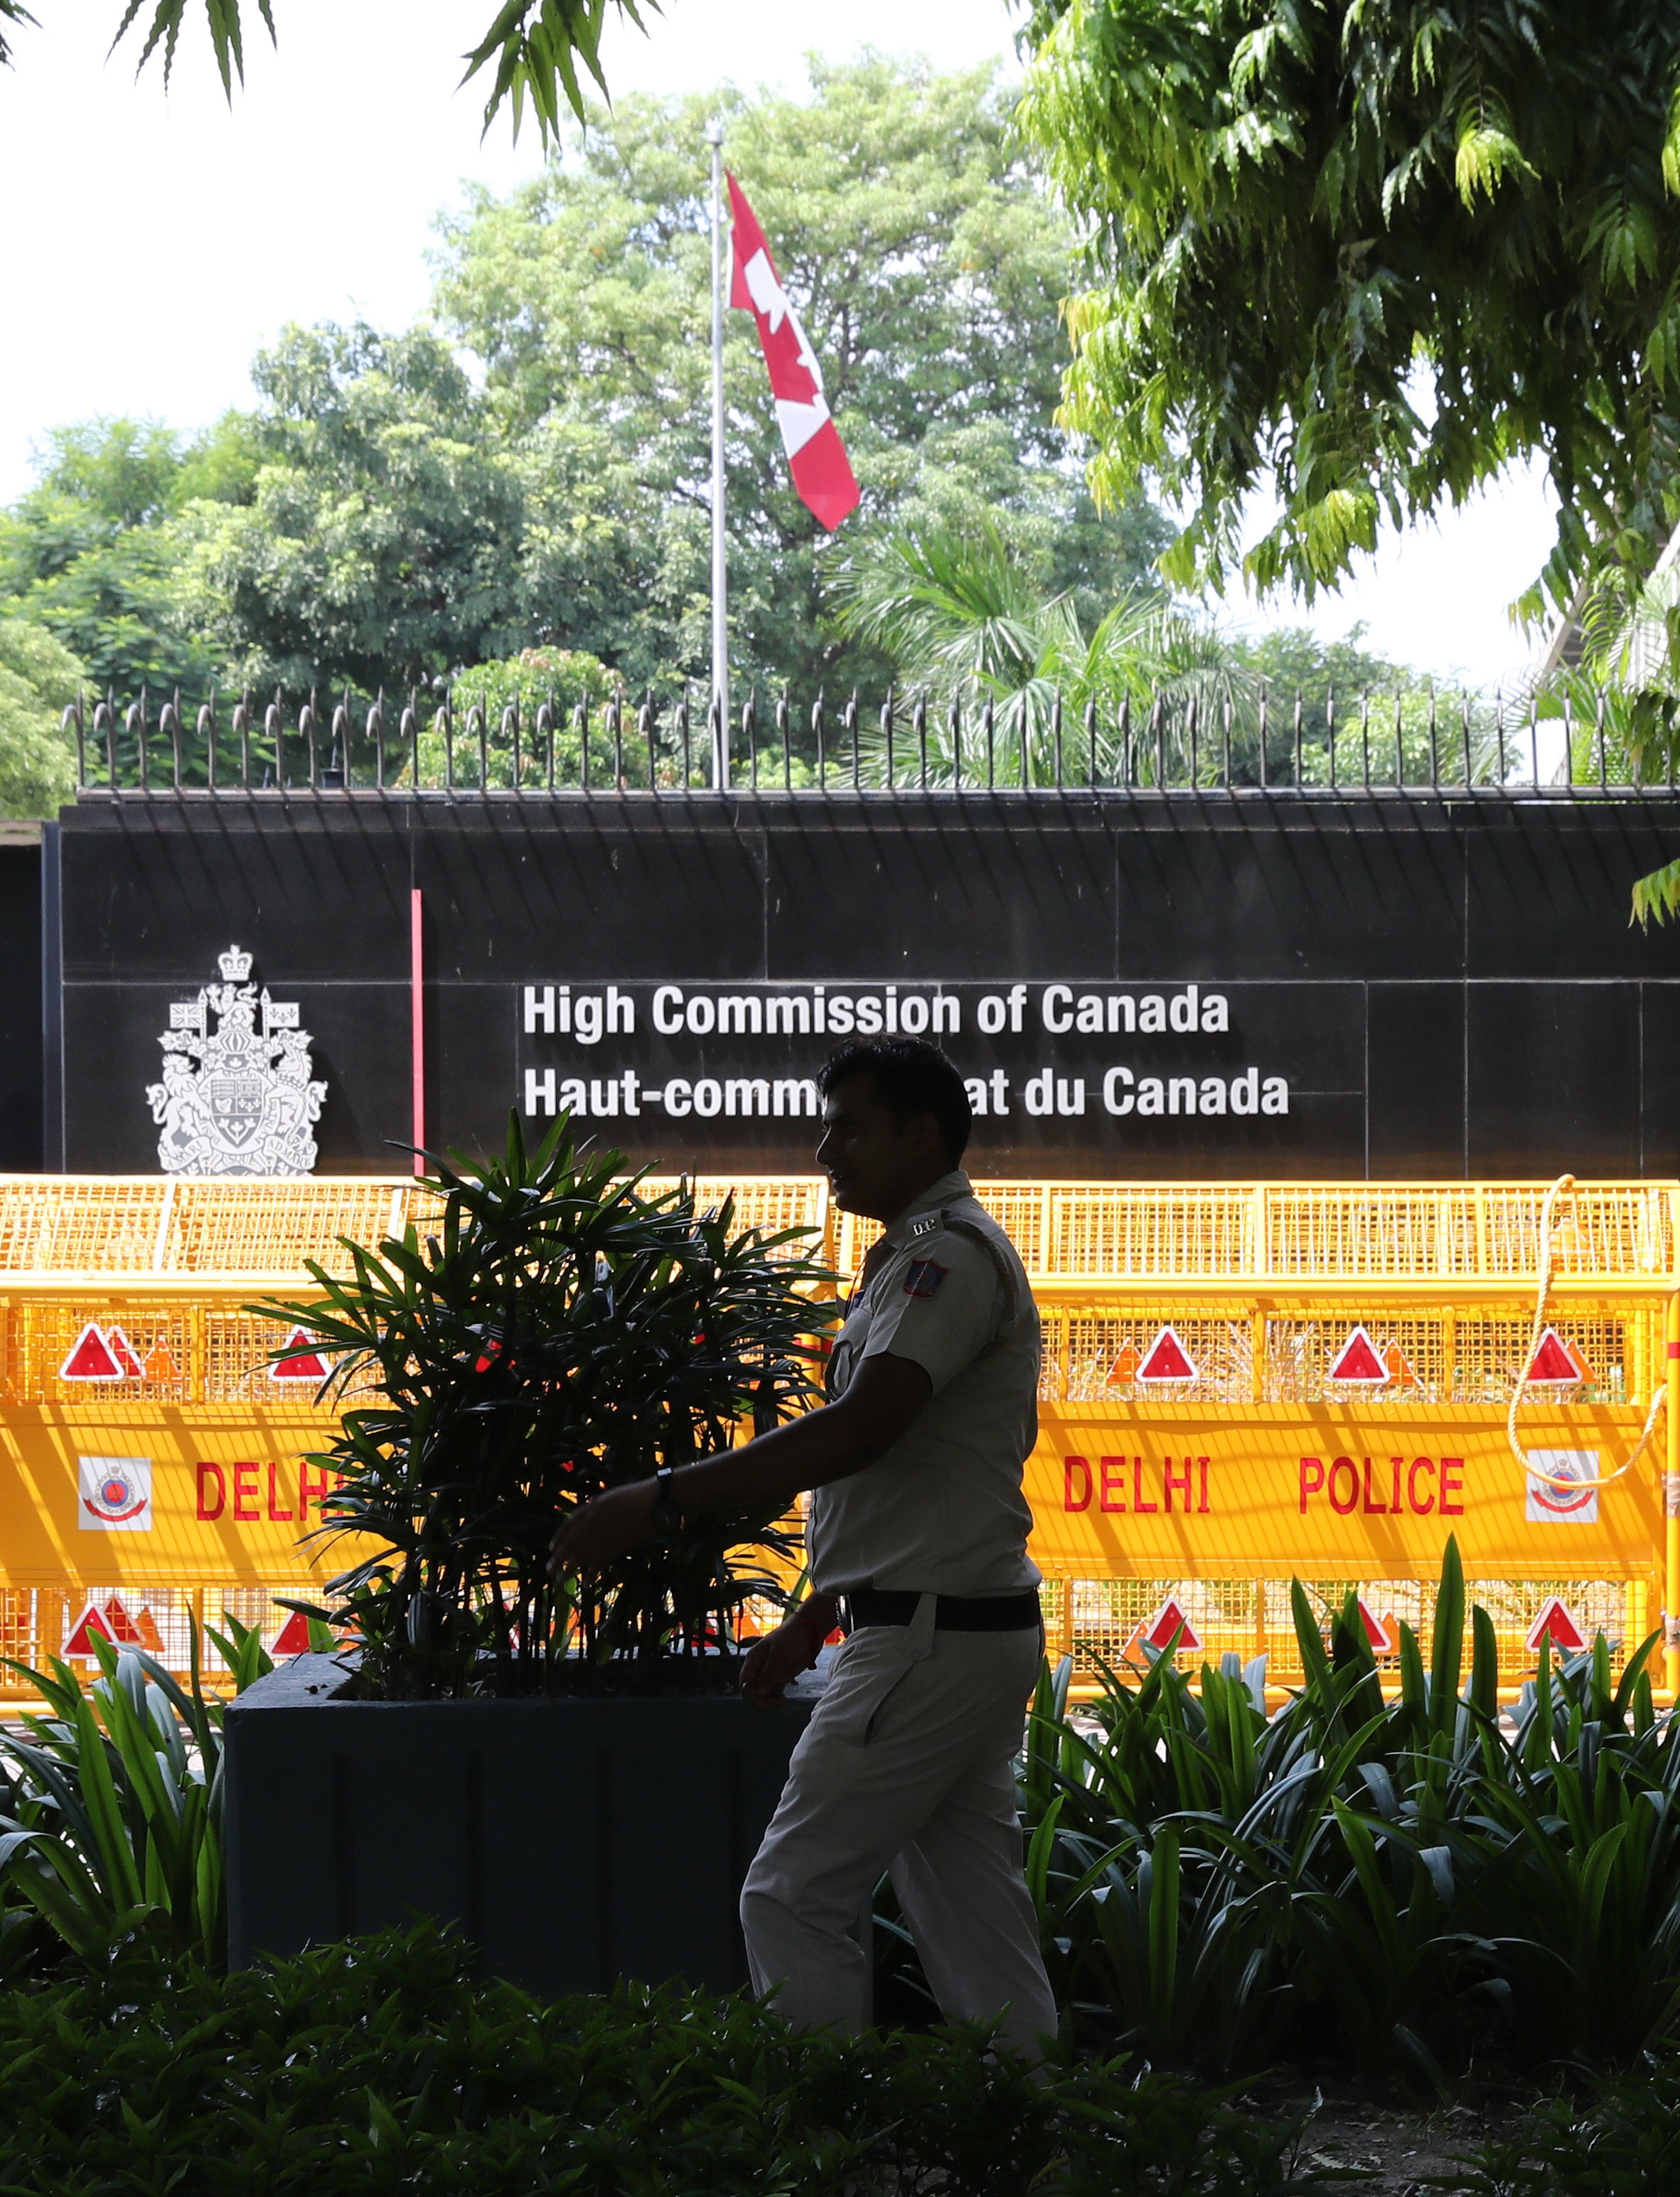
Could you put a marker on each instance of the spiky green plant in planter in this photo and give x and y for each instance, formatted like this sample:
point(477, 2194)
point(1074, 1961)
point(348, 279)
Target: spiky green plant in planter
point(561, 1331)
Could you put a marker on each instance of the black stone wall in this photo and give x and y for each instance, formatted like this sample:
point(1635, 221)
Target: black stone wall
point(1444, 987)
point(21, 974)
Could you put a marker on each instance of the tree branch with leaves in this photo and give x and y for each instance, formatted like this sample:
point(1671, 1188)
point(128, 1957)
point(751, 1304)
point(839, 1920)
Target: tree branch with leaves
point(1376, 254)
point(535, 49)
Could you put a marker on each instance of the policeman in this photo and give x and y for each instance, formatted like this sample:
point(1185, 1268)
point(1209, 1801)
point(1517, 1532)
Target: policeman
point(918, 1525)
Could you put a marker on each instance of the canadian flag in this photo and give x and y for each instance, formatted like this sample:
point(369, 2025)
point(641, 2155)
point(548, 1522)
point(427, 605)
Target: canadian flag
point(822, 473)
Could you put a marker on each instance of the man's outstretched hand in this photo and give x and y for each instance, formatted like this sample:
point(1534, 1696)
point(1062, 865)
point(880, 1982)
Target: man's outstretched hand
point(604, 1527)
point(773, 1662)
point(806, 1450)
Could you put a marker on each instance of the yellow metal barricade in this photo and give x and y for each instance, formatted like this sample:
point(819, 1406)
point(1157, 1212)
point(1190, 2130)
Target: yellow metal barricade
point(1255, 1465)
point(152, 1468)
point(1214, 1489)
point(163, 1474)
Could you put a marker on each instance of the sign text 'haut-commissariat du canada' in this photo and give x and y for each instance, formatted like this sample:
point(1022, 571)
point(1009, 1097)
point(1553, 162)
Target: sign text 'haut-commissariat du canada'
point(1420, 1486)
point(829, 1012)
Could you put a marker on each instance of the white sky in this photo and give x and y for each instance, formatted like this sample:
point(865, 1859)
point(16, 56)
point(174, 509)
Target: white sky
point(154, 243)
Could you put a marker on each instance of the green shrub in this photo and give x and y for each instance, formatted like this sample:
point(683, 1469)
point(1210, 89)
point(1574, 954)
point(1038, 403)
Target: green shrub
point(1393, 1881)
point(557, 680)
point(558, 1330)
point(111, 1807)
point(381, 2066)
point(1616, 2139)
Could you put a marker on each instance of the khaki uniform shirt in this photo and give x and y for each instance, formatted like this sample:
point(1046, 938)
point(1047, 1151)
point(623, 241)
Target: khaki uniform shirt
point(942, 1511)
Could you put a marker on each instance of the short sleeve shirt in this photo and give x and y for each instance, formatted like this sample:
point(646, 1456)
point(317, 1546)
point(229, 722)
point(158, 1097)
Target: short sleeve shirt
point(944, 1510)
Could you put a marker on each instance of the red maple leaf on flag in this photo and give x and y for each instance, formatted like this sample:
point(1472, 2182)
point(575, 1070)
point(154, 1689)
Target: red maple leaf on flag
point(822, 473)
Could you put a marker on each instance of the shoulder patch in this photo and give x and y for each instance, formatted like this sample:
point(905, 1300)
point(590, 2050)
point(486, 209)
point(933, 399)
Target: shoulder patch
point(924, 1277)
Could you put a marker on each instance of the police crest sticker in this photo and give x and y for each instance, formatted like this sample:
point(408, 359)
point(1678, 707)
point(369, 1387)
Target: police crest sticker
point(115, 1494)
point(1562, 1486)
point(236, 1096)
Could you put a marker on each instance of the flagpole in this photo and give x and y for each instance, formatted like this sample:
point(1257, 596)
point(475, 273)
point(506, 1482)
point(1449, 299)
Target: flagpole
point(720, 547)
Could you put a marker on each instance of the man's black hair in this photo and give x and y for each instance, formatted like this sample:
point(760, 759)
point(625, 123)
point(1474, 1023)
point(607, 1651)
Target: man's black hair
point(911, 1077)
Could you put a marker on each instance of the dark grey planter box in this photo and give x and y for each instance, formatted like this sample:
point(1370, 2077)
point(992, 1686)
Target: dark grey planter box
point(572, 1842)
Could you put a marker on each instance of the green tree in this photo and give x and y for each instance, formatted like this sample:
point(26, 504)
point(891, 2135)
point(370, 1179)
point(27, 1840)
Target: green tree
point(39, 679)
point(928, 267)
point(381, 539)
point(89, 552)
point(1379, 252)
point(1358, 701)
point(382, 518)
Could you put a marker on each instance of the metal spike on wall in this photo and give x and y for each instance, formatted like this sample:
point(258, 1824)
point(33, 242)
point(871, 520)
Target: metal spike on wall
point(971, 746)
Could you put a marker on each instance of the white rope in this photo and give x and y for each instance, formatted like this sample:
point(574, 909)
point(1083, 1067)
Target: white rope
point(1565, 1187)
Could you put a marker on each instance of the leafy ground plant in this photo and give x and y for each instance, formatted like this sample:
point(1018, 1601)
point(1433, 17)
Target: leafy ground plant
point(559, 1331)
point(1402, 1881)
point(111, 1805)
point(1615, 2139)
point(381, 2065)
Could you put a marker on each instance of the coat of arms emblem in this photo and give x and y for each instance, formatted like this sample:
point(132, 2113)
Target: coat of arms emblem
point(236, 1098)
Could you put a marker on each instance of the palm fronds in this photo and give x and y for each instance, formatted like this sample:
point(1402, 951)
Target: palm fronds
point(1044, 698)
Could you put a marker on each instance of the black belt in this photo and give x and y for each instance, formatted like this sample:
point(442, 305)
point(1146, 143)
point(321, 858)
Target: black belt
point(952, 1613)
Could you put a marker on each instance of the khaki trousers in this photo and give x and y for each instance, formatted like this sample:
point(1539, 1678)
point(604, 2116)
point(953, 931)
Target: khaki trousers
point(907, 1765)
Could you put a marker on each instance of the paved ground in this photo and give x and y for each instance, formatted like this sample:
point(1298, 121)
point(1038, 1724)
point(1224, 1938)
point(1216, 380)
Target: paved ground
point(1396, 2149)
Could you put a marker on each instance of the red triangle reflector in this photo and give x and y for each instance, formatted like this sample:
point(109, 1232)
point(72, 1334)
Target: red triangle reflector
point(1379, 1631)
point(160, 1364)
point(80, 1642)
point(1167, 1359)
point(1358, 1360)
point(1555, 1624)
point(1555, 1360)
point(118, 1625)
point(1169, 1619)
point(91, 1359)
point(293, 1636)
point(306, 1364)
point(147, 1625)
point(123, 1350)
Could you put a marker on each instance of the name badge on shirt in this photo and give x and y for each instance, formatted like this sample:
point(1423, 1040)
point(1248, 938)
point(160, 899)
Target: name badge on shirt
point(924, 1278)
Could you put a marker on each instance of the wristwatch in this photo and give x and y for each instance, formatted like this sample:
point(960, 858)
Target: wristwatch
point(665, 1518)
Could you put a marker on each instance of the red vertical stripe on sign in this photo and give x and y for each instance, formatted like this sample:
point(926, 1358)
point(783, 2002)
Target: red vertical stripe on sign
point(417, 1024)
